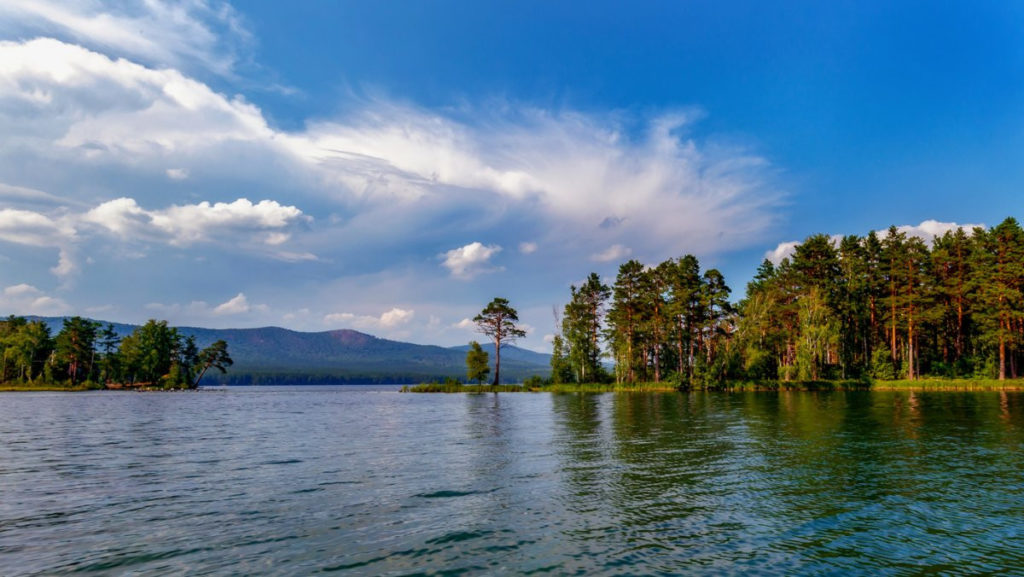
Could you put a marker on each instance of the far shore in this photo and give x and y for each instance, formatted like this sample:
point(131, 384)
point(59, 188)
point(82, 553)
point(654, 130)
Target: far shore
point(919, 385)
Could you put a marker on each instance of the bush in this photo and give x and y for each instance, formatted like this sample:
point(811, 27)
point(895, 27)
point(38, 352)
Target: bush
point(881, 365)
point(533, 382)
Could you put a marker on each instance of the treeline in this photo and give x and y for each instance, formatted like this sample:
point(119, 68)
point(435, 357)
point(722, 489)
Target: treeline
point(90, 355)
point(879, 307)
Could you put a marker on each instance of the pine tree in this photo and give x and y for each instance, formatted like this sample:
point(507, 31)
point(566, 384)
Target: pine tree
point(477, 361)
point(498, 321)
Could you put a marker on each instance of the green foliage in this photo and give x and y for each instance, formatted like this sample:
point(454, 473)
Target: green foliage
point(561, 370)
point(499, 321)
point(582, 327)
point(214, 356)
point(881, 366)
point(534, 382)
point(457, 387)
point(87, 355)
point(477, 361)
point(75, 349)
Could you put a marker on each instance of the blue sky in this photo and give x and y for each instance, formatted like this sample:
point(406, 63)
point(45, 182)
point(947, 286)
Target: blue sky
point(392, 166)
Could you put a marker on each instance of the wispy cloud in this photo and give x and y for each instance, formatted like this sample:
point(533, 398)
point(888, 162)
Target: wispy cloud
point(176, 34)
point(146, 157)
point(612, 253)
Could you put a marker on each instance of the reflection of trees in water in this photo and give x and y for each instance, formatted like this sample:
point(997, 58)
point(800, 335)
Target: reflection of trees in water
point(675, 478)
point(487, 426)
point(582, 444)
point(638, 468)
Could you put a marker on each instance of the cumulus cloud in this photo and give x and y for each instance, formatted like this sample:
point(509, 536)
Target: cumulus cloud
point(39, 230)
point(783, 251)
point(612, 253)
point(395, 317)
point(182, 225)
point(929, 229)
point(388, 320)
point(25, 299)
point(115, 104)
point(114, 108)
point(465, 324)
point(33, 228)
point(468, 261)
point(236, 305)
point(926, 231)
point(578, 171)
point(199, 310)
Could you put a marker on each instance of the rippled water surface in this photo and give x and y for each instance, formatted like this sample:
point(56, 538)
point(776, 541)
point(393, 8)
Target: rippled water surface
point(292, 481)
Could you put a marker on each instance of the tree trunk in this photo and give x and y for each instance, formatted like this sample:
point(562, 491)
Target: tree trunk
point(1002, 354)
point(497, 360)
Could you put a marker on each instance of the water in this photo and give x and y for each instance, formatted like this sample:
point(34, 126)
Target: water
point(294, 481)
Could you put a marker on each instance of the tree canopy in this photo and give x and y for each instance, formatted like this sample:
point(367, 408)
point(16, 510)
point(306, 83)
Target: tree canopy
point(873, 306)
point(499, 322)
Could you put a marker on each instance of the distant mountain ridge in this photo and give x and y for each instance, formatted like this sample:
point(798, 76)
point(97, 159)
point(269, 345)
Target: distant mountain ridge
point(272, 355)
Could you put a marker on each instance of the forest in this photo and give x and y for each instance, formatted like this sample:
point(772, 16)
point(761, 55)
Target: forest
point(875, 307)
point(85, 354)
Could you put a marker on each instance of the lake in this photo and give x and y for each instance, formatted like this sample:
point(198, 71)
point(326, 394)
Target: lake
point(366, 480)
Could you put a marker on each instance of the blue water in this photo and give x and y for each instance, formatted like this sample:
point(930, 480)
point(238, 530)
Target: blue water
point(360, 480)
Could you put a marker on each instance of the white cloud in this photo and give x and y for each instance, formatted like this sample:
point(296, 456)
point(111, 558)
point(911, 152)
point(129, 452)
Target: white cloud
point(783, 251)
point(387, 321)
point(395, 317)
point(202, 311)
point(470, 260)
point(465, 324)
point(25, 299)
point(237, 305)
point(36, 229)
point(926, 231)
point(177, 173)
point(159, 32)
point(114, 106)
point(23, 193)
point(110, 108)
point(188, 224)
point(33, 229)
point(569, 172)
point(612, 253)
point(929, 229)
point(549, 338)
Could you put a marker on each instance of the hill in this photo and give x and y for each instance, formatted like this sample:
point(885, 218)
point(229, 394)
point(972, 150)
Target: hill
point(273, 355)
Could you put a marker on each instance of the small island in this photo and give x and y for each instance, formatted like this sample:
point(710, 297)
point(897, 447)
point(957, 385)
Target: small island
point(877, 311)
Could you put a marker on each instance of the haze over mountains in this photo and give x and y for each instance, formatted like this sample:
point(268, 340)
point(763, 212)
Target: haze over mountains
point(273, 355)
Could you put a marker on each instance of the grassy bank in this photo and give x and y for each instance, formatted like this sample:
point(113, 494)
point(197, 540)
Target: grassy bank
point(18, 387)
point(734, 386)
point(950, 385)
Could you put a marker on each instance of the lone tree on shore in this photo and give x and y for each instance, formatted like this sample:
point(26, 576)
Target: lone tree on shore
point(476, 363)
point(498, 322)
point(216, 356)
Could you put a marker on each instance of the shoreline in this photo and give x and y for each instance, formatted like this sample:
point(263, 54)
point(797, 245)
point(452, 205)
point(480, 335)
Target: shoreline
point(921, 385)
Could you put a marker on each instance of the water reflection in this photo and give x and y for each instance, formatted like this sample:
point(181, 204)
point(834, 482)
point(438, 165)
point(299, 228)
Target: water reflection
point(299, 482)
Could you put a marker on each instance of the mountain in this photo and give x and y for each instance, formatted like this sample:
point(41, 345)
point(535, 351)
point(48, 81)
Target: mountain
point(273, 355)
point(510, 353)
